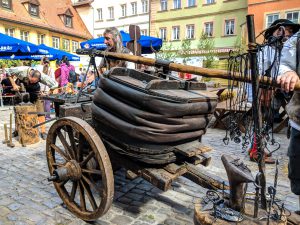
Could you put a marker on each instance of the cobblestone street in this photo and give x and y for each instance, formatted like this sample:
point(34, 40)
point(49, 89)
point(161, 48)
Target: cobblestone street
point(26, 197)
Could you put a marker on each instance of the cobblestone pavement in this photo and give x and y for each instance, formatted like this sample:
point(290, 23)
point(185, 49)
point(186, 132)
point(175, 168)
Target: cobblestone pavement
point(26, 197)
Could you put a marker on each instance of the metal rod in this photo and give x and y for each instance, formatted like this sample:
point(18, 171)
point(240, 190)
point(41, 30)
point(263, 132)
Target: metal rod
point(255, 107)
point(92, 62)
point(47, 121)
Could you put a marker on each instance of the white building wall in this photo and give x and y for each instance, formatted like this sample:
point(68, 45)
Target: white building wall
point(122, 23)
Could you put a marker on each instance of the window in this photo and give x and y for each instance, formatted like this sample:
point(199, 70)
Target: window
point(74, 46)
point(144, 32)
point(124, 10)
point(190, 31)
point(163, 33)
point(175, 33)
point(209, 2)
point(33, 10)
point(164, 5)
point(66, 44)
point(24, 35)
point(10, 31)
point(41, 39)
point(55, 42)
point(191, 3)
point(177, 4)
point(111, 13)
point(145, 6)
point(229, 27)
point(293, 16)
point(68, 21)
point(133, 8)
point(209, 29)
point(99, 12)
point(6, 4)
point(271, 18)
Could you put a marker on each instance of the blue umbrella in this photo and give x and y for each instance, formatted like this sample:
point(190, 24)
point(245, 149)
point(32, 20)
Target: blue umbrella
point(10, 45)
point(146, 42)
point(52, 54)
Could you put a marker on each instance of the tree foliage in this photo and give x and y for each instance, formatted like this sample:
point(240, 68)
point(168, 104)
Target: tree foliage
point(167, 52)
point(207, 44)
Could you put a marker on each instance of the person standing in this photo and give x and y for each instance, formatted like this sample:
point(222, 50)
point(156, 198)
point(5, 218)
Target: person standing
point(278, 33)
point(114, 43)
point(46, 68)
point(31, 79)
point(289, 73)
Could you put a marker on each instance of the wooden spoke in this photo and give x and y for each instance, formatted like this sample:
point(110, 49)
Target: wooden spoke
point(60, 152)
point(82, 197)
point(64, 143)
point(92, 171)
point(63, 183)
point(92, 185)
point(84, 162)
point(72, 141)
point(73, 191)
point(89, 194)
point(80, 147)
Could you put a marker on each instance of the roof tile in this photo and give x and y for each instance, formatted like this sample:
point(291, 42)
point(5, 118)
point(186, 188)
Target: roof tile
point(48, 17)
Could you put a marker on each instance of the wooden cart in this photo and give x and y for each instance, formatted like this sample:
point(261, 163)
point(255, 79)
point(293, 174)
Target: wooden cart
point(81, 164)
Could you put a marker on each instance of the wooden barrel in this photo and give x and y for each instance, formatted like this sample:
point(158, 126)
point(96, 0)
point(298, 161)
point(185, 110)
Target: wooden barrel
point(25, 122)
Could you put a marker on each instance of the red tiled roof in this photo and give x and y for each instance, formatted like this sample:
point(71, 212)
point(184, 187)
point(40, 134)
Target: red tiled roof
point(48, 17)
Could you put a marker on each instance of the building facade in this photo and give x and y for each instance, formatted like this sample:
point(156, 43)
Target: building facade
point(100, 15)
point(266, 12)
point(54, 23)
point(178, 20)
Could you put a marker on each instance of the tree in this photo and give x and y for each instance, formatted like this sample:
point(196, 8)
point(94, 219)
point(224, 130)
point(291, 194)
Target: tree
point(167, 52)
point(207, 45)
point(185, 51)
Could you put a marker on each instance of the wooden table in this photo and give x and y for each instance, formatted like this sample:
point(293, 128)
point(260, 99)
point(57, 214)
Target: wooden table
point(223, 110)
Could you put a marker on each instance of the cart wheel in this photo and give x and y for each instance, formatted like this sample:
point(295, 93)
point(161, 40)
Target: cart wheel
point(80, 168)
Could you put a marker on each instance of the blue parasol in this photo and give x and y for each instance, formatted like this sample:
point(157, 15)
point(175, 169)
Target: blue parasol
point(10, 45)
point(52, 54)
point(148, 43)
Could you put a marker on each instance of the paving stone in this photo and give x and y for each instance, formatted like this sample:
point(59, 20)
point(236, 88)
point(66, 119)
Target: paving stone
point(121, 220)
point(4, 211)
point(14, 206)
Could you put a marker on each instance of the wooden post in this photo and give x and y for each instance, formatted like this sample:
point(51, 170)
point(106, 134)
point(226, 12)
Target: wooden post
point(5, 134)
point(10, 144)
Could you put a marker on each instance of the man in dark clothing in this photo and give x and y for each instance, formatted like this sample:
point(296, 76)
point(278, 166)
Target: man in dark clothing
point(31, 78)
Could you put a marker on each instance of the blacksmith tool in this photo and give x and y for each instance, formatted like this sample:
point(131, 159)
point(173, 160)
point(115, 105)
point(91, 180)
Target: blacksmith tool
point(5, 135)
point(47, 121)
point(257, 190)
point(10, 144)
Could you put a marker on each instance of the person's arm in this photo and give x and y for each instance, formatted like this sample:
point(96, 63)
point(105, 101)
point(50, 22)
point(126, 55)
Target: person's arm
point(49, 81)
point(287, 70)
point(19, 72)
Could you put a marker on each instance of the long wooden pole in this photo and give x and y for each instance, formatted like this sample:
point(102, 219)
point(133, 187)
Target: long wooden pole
point(205, 72)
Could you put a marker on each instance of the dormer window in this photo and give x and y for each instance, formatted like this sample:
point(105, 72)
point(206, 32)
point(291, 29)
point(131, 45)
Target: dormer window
point(6, 4)
point(33, 10)
point(32, 6)
point(66, 16)
point(68, 21)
